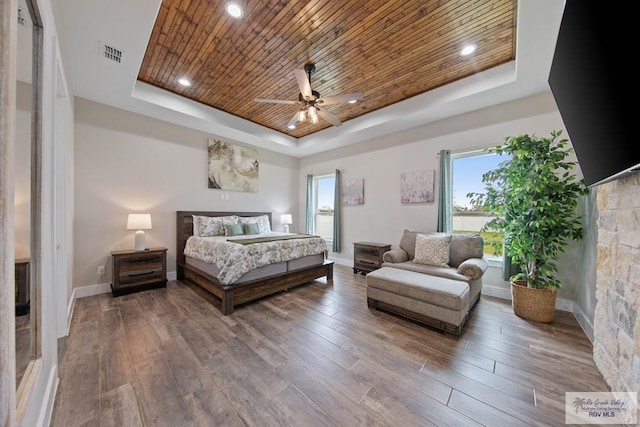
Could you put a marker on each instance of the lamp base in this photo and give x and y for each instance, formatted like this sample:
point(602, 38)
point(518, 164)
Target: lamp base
point(140, 244)
point(286, 228)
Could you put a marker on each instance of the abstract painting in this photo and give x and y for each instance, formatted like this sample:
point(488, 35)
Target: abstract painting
point(417, 187)
point(353, 192)
point(232, 167)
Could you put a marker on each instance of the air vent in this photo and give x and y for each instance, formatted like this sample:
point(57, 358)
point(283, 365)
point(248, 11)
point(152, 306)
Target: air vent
point(111, 53)
point(21, 17)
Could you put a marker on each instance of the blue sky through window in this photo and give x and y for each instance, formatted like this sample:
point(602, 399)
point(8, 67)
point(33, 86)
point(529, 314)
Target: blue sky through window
point(467, 175)
point(325, 191)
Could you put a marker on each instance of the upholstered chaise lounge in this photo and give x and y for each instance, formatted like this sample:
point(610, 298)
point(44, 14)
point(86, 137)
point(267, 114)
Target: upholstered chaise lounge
point(436, 286)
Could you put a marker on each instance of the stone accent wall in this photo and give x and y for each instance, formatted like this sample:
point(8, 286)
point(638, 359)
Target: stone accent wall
point(617, 314)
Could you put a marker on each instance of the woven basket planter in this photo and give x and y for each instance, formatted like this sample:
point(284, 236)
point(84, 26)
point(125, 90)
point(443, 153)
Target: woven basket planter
point(538, 305)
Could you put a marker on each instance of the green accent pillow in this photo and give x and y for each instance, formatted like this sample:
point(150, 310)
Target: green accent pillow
point(251, 228)
point(233, 230)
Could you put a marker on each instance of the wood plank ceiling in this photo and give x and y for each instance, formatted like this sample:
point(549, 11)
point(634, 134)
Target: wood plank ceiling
point(389, 50)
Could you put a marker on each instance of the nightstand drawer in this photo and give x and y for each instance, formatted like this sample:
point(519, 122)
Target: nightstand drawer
point(367, 256)
point(362, 264)
point(137, 270)
point(139, 258)
point(364, 252)
point(148, 272)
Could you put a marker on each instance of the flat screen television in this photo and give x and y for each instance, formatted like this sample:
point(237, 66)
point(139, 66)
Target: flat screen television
point(594, 87)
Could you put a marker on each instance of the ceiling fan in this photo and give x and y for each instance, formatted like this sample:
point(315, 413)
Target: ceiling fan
point(310, 100)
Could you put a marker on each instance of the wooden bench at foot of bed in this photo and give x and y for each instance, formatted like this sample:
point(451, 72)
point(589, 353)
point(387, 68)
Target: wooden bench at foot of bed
point(234, 295)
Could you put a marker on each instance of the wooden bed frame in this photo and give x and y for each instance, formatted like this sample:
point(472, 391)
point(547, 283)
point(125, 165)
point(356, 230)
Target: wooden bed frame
point(234, 295)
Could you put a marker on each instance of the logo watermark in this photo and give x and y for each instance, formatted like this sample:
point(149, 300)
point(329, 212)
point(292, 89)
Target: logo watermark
point(601, 408)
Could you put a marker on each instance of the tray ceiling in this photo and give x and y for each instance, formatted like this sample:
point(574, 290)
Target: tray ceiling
point(388, 50)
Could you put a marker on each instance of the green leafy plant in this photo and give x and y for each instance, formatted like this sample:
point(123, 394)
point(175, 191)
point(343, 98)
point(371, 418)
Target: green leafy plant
point(533, 196)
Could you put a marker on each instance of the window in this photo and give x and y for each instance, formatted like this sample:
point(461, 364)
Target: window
point(323, 196)
point(467, 171)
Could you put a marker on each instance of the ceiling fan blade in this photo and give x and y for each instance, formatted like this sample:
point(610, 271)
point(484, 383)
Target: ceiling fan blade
point(303, 83)
point(275, 101)
point(293, 121)
point(328, 117)
point(340, 98)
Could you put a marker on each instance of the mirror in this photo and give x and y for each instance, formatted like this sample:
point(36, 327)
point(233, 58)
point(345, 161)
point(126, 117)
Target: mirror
point(27, 189)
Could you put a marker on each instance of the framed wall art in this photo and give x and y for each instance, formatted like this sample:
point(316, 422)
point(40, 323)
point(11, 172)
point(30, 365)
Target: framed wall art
point(232, 167)
point(417, 186)
point(353, 192)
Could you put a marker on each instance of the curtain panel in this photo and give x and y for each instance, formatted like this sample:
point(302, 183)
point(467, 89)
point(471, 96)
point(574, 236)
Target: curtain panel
point(337, 211)
point(445, 199)
point(309, 207)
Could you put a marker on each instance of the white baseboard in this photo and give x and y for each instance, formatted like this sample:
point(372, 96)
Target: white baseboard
point(584, 322)
point(496, 291)
point(562, 304)
point(91, 290)
point(342, 261)
point(70, 309)
point(44, 418)
point(103, 288)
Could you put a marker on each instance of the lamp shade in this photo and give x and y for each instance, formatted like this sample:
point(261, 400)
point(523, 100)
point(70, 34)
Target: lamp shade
point(286, 219)
point(139, 222)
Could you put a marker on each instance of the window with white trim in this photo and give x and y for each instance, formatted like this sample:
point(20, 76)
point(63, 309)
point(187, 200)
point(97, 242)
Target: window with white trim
point(467, 170)
point(323, 197)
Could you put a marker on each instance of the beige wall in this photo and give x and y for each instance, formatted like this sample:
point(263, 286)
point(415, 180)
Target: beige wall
point(126, 163)
point(380, 162)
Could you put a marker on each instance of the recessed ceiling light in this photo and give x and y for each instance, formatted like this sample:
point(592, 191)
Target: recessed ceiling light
point(234, 9)
point(468, 49)
point(184, 82)
point(291, 126)
point(353, 101)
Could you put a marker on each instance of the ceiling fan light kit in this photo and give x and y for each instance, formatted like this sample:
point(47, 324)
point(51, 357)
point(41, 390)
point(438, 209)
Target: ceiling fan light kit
point(310, 100)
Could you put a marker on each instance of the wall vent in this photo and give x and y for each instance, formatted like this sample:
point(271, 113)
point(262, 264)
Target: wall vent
point(21, 17)
point(111, 53)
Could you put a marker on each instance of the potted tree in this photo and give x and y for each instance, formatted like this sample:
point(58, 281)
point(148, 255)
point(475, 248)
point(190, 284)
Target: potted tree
point(533, 196)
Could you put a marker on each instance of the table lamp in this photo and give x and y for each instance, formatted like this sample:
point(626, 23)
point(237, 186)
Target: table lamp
point(139, 222)
point(285, 219)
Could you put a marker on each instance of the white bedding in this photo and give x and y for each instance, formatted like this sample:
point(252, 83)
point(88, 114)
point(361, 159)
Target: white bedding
point(234, 259)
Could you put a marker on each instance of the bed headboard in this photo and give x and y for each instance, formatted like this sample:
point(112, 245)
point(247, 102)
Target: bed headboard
point(184, 229)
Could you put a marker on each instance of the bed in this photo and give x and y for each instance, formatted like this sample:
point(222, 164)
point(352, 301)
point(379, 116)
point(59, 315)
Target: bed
point(238, 285)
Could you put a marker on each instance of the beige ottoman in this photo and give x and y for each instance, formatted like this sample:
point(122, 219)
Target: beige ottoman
point(435, 301)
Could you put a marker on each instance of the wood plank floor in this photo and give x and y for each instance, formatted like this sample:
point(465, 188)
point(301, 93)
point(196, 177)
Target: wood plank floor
point(316, 355)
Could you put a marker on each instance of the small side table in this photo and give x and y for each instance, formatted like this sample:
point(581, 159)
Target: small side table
point(367, 256)
point(138, 270)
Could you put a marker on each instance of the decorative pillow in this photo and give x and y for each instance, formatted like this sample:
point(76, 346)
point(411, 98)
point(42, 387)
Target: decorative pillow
point(408, 242)
point(214, 225)
point(251, 228)
point(432, 249)
point(196, 233)
point(264, 226)
point(233, 229)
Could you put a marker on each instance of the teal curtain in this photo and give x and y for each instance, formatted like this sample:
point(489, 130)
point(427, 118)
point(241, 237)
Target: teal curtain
point(445, 201)
point(337, 209)
point(309, 224)
point(508, 269)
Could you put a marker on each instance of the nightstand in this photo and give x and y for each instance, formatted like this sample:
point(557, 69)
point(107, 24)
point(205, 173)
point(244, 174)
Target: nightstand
point(367, 256)
point(138, 270)
point(22, 286)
